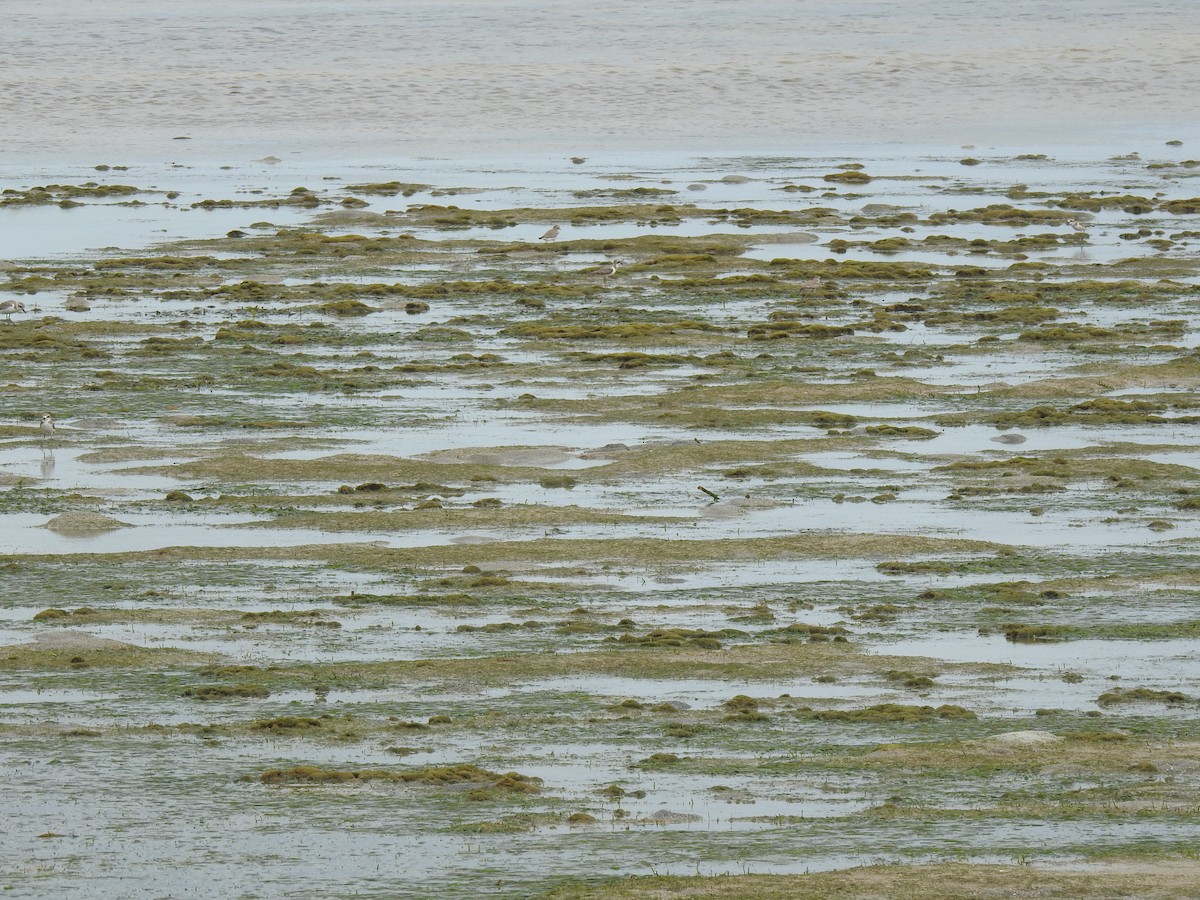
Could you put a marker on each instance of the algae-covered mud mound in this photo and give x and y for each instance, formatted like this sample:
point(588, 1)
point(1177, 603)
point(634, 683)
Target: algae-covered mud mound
point(935, 882)
point(424, 530)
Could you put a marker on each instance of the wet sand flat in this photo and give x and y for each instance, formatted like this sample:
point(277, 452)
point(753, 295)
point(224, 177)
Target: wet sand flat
point(511, 452)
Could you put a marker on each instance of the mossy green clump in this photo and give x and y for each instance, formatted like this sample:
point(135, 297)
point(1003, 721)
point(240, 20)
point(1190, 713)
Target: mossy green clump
point(498, 627)
point(661, 759)
point(617, 792)
point(388, 188)
point(741, 703)
point(282, 369)
point(228, 692)
point(913, 680)
point(287, 723)
point(1092, 202)
point(813, 633)
point(1142, 695)
point(851, 176)
point(625, 193)
point(889, 712)
point(510, 782)
point(438, 334)
point(910, 432)
point(1190, 206)
point(1020, 633)
point(879, 612)
point(627, 331)
point(79, 613)
point(347, 308)
point(414, 600)
point(52, 615)
point(65, 195)
point(1069, 332)
point(1001, 214)
point(301, 197)
point(224, 671)
point(289, 617)
point(317, 775)
point(782, 329)
point(1101, 411)
point(626, 705)
point(695, 638)
point(518, 824)
point(515, 783)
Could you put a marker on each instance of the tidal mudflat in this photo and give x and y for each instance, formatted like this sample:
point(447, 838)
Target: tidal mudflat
point(384, 548)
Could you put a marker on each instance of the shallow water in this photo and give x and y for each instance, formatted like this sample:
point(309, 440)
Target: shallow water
point(664, 75)
point(504, 94)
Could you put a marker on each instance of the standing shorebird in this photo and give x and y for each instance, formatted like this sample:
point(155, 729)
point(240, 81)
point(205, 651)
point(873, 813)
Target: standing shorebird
point(551, 235)
point(607, 270)
point(46, 427)
point(1079, 225)
point(8, 307)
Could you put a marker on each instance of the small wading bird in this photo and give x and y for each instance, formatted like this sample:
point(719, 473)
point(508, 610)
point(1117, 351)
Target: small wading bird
point(46, 427)
point(8, 307)
point(550, 235)
point(607, 270)
point(1078, 224)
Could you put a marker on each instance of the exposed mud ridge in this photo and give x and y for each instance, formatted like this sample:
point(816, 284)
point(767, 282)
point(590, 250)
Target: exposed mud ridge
point(595, 534)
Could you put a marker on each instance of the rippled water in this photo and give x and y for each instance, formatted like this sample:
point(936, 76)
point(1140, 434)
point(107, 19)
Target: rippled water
point(572, 77)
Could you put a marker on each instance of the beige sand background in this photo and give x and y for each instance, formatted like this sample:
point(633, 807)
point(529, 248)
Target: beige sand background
point(478, 76)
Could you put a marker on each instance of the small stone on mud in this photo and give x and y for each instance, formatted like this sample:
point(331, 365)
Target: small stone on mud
point(83, 522)
point(77, 640)
point(1024, 739)
point(605, 452)
point(1012, 438)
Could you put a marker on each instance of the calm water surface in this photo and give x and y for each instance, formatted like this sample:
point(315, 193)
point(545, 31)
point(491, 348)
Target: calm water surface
point(487, 76)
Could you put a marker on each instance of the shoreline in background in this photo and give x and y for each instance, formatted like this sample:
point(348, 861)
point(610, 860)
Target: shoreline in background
point(476, 78)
